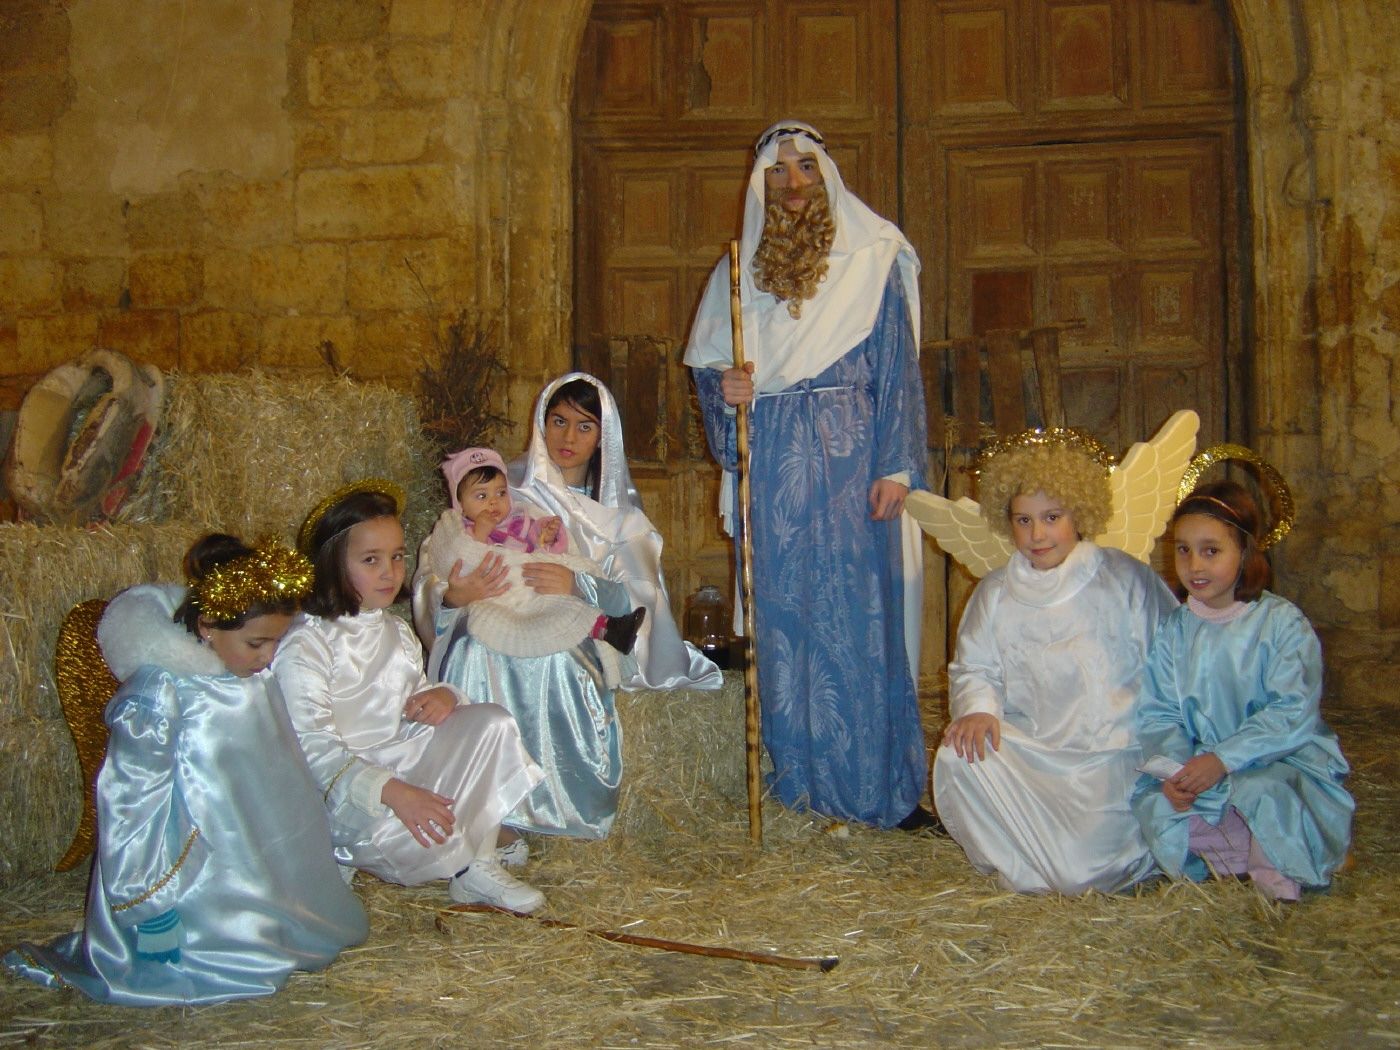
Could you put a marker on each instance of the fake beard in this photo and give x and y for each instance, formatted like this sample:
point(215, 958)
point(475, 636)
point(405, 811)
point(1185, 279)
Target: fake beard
point(792, 256)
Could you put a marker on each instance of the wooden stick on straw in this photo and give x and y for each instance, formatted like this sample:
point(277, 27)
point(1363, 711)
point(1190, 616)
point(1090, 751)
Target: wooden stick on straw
point(824, 963)
point(751, 709)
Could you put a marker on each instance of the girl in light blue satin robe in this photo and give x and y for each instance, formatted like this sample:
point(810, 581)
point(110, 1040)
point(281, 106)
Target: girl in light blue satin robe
point(214, 877)
point(1231, 693)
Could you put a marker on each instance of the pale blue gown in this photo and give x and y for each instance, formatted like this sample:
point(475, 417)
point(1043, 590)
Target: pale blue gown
point(206, 809)
point(840, 712)
point(1249, 691)
point(566, 713)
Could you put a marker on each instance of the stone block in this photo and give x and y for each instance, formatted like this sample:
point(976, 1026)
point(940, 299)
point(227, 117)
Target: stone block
point(10, 396)
point(228, 276)
point(341, 76)
point(398, 275)
point(421, 17)
point(247, 213)
point(166, 220)
point(28, 284)
point(295, 342)
point(148, 336)
point(317, 143)
point(1388, 618)
point(165, 279)
point(21, 222)
point(409, 201)
point(33, 101)
point(43, 342)
point(217, 341)
point(392, 346)
point(392, 136)
point(25, 160)
point(33, 36)
point(84, 224)
point(308, 277)
point(324, 21)
point(93, 283)
point(421, 70)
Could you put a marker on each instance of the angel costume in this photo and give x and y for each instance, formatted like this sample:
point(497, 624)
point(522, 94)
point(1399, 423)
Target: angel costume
point(346, 680)
point(613, 531)
point(1245, 686)
point(212, 835)
point(1056, 656)
point(838, 405)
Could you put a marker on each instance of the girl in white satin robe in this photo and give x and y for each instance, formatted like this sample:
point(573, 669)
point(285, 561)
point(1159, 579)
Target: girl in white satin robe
point(213, 878)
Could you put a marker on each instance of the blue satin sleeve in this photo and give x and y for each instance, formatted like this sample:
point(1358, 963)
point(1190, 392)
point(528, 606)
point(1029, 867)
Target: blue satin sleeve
point(1161, 730)
point(721, 430)
point(150, 847)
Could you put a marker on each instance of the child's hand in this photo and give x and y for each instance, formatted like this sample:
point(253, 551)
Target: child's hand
point(487, 580)
point(968, 735)
point(1200, 773)
point(431, 706)
point(548, 578)
point(426, 814)
point(549, 531)
point(1180, 799)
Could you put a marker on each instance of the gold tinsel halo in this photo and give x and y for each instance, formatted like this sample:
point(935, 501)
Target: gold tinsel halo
point(383, 486)
point(1282, 495)
point(270, 575)
point(1051, 437)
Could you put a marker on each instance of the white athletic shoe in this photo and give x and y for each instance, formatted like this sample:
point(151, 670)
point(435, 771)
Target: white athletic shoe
point(514, 854)
point(486, 882)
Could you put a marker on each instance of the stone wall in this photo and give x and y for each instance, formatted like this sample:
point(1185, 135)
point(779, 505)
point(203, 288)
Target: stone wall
point(240, 181)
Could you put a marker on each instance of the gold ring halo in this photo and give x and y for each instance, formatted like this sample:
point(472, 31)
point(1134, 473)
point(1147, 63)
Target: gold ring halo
point(1282, 495)
point(382, 486)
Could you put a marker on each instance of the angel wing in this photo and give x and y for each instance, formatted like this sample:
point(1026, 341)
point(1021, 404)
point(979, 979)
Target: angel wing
point(961, 530)
point(1143, 486)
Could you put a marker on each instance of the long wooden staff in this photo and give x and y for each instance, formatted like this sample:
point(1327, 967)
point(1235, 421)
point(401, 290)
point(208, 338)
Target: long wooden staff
point(824, 963)
point(751, 709)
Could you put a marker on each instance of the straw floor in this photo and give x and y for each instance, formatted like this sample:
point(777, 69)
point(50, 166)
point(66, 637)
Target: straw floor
point(932, 954)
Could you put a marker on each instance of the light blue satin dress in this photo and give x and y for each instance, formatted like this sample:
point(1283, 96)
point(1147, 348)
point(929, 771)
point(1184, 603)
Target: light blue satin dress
point(567, 717)
point(206, 808)
point(1249, 691)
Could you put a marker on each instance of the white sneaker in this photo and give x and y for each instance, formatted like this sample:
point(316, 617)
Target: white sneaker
point(486, 882)
point(514, 854)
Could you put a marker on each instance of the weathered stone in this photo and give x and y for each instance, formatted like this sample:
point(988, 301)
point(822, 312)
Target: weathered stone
point(374, 202)
point(323, 21)
point(44, 342)
point(33, 36)
point(217, 341)
point(21, 222)
point(295, 342)
point(166, 220)
point(149, 336)
point(339, 76)
point(228, 278)
point(421, 70)
point(248, 213)
point(11, 393)
point(397, 275)
point(93, 284)
point(33, 102)
point(421, 17)
point(165, 279)
point(392, 345)
point(317, 143)
point(299, 277)
point(84, 223)
point(25, 160)
point(1389, 612)
point(28, 284)
point(391, 136)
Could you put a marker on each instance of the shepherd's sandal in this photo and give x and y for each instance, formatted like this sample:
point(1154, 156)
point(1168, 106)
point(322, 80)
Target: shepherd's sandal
point(513, 854)
point(486, 882)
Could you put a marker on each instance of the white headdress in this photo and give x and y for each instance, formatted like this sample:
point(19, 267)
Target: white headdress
point(843, 311)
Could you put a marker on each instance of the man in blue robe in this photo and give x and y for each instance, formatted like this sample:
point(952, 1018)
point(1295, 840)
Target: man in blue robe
point(837, 438)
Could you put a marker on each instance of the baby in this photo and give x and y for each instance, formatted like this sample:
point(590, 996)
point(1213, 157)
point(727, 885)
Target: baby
point(520, 622)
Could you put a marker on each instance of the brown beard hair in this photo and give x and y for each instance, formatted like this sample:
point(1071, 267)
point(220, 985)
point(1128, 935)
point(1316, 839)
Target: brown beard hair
point(792, 255)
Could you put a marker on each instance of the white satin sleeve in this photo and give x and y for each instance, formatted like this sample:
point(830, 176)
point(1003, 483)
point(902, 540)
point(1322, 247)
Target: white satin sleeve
point(976, 682)
point(150, 847)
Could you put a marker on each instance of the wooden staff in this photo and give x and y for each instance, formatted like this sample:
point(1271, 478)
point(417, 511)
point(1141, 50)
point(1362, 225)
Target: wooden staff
point(824, 963)
point(751, 709)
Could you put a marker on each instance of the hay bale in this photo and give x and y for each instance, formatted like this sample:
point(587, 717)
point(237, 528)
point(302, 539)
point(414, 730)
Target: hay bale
point(41, 786)
point(250, 453)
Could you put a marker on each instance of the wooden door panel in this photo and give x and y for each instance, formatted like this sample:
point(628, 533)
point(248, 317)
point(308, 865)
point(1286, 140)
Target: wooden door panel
point(727, 67)
point(1186, 53)
point(1084, 60)
point(979, 72)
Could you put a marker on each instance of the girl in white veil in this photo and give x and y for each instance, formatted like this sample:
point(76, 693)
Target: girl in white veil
point(600, 507)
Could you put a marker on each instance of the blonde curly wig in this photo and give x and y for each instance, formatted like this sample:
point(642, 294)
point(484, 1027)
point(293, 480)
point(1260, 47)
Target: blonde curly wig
point(792, 256)
point(1071, 477)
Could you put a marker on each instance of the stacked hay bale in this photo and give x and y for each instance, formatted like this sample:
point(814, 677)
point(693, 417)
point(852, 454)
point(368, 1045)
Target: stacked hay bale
point(244, 453)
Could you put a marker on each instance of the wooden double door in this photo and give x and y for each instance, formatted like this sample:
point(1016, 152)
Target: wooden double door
point(1049, 159)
